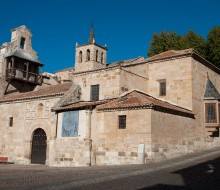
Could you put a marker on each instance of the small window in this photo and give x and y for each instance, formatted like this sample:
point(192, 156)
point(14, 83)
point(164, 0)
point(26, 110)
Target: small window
point(122, 121)
point(210, 112)
point(96, 56)
point(88, 55)
point(163, 88)
point(22, 42)
point(10, 121)
point(80, 57)
point(94, 92)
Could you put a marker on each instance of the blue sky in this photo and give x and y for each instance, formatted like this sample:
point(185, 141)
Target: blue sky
point(125, 26)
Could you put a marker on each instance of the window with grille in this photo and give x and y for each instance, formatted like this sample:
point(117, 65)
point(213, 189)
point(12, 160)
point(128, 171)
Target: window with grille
point(95, 92)
point(210, 112)
point(163, 88)
point(122, 121)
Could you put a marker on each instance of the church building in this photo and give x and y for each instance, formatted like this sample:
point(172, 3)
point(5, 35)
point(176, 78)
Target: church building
point(99, 113)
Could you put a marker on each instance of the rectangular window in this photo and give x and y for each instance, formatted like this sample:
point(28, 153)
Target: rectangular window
point(95, 92)
point(210, 112)
point(122, 121)
point(10, 121)
point(70, 124)
point(163, 88)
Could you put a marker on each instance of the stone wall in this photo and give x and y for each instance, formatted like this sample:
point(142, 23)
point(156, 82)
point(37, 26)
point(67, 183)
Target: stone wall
point(120, 146)
point(108, 81)
point(64, 74)
point(71, 151)
point(112, 82)
point(130, 81)
point(200, 73)
point(28, 115)
point(171, 135)
point(174, 135)
point(178, 75)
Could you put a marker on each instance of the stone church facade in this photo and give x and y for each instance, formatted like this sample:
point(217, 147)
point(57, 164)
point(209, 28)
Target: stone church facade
point(99, 113)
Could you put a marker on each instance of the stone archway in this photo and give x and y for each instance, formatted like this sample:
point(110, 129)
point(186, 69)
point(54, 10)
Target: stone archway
point(39, 147)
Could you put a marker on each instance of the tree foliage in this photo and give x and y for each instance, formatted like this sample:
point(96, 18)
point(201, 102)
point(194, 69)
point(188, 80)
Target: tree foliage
point(213, 46)
point(208, 48)
point(163, 42)
point(193, 40)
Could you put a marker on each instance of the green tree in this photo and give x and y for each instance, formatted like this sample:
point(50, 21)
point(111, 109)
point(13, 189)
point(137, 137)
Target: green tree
point(195, 41)
point(163, 42)
point(209, 48)
point(213, 46)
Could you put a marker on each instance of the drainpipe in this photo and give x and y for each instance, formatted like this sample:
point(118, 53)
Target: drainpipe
point(88, 134)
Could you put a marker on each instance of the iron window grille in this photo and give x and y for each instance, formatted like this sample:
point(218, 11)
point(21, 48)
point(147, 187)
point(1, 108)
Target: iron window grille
point(122, 121)
point(210, 112)
point(95, 92)
point(163, 88)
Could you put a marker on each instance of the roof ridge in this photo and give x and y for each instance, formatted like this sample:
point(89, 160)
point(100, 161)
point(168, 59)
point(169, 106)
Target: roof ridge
point(141, 92)
point(52, 90)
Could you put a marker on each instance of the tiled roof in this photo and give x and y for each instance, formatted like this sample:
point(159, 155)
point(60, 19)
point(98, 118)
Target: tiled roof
point(136, 99)
point(81, 105)
point(53, 90)
point(170, 54)
point(126, 62)
point(210, 91)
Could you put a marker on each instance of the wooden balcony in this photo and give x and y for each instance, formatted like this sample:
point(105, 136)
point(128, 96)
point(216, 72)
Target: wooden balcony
point(18, 74)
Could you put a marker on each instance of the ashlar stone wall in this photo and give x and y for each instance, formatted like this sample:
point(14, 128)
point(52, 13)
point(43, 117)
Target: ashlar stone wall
point(120, 146)
point(28, 115)
point(171, 135)
point(200, 73)
point(112, 82)
point(108, 81)
point(178, 76)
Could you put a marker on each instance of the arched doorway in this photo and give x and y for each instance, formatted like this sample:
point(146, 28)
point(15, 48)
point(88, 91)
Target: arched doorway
point(39, 147)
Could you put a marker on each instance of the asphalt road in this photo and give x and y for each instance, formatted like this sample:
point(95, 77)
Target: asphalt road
point(193, 171)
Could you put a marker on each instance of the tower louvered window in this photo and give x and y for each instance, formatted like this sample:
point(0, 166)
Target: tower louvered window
point(80, 57)
point(88, 55)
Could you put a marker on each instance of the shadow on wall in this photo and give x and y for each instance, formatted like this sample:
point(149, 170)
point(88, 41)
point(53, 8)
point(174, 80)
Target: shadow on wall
point(199, 177)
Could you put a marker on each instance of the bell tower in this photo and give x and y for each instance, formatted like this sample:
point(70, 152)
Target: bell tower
point(90, 56)
point(20, 69)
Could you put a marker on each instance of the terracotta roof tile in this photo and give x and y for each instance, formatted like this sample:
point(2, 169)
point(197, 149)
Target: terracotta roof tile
point(81, 105)
point(53, 90)
point(136, 99)
point(170, 54)
point(126, 62)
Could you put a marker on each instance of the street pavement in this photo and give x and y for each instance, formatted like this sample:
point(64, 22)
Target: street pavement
point(197, 171)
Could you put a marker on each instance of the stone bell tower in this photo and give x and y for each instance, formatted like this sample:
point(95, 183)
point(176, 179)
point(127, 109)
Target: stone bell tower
point(90, 56)
point(20, 69)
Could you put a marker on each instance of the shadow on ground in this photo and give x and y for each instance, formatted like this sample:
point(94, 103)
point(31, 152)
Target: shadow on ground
point(202, 176)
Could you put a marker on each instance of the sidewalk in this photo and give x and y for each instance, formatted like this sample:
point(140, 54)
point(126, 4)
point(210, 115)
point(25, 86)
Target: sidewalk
point(56, 178)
